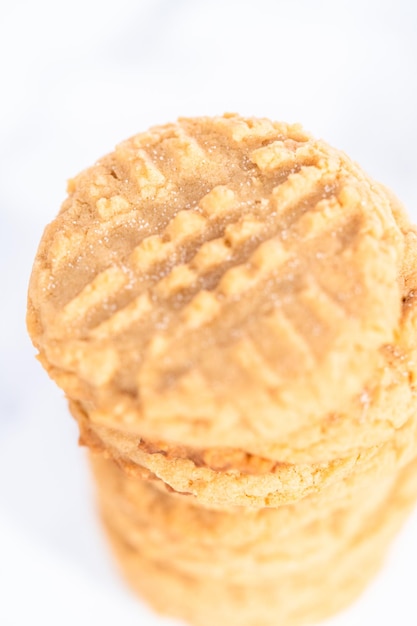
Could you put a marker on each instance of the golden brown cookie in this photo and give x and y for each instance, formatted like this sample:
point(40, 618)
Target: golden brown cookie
point(212, 256)
point(191, 541)
point(258, 482)
point(301, 598)
point(384, 405)
point(231, 308)
point(390, 408)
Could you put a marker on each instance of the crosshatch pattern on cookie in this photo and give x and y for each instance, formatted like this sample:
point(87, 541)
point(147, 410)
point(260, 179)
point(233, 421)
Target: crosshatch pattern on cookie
point(193, 235)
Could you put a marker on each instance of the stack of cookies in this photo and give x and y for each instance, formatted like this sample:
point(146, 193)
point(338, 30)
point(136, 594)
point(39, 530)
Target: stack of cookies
point(231, 309)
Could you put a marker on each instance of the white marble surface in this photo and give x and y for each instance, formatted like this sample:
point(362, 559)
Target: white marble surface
point(75, 79)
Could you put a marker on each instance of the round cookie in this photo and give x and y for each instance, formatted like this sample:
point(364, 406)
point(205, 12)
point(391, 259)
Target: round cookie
point(218, 528)
point(392, 401)
point(212, 256)
point(290, 600)
point(256, 482)
point(156, 523)
point(384, 404)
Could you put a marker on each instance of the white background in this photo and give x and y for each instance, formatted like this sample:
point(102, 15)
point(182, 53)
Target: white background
point(78, 77)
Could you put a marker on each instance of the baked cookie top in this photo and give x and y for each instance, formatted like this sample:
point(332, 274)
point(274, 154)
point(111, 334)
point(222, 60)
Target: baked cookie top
point(217, 281)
